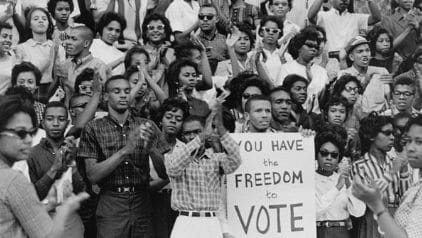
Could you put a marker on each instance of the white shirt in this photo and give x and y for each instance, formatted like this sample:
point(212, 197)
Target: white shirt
point(273, 64)
point(107, 53)
point(181, 15)
point(341, 28)
point(332, 204)
point(318, 83)
point(6, 66)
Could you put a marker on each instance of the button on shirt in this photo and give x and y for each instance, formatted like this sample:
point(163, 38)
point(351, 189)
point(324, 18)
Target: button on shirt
point(182, 15)
point(196, 182)
point(333, 204)
point(342, 27)
point(104, 137)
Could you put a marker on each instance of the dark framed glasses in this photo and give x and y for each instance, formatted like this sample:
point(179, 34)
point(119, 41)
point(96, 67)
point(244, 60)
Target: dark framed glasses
point(205, 17)
point(20, 133)
point(333, 155)
point(271, 30)
point(157, 27)
point(404, 94)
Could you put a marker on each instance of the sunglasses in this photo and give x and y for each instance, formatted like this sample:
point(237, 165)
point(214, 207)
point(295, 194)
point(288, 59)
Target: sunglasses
point(387, 133)
point(404, 94)
point(157, 27)
point(333, 155)
point(271, 30)
point(352, 89)
point(310, 45)
point(85, 87)
point(247, 95)
point(205, 17)
point(21, 134)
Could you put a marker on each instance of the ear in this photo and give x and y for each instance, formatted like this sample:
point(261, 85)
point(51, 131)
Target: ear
point(43, 123)
point(247, 117)
point(351, 57)
point(105, 96)
point(87, 44)
point(260, 32)
point(72, 113)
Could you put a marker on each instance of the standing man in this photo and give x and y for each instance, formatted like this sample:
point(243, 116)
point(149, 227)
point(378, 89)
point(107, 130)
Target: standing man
point(258, 114)
point(195, 174)
point(281, 109)
point(116, 150)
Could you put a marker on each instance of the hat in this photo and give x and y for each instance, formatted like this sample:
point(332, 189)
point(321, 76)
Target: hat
point(355, 42)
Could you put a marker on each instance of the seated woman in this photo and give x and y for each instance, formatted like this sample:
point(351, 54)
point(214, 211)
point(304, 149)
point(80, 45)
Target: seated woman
point(334, 201)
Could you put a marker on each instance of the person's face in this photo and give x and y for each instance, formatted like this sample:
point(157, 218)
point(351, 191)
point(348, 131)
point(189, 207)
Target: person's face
point(85, 88)
point(322, 41)
point(298, 92)
point(155, 31)
point(139, 59)
point(188, 77)
point(406, 4)
point(39, 22)
point(399, 128)
point(414, 146)
point(336, 114)
point(191, 130)
point(134, 79)
point(77, 106)
point(259, 115)
point(6, 37)
point(207, 19)
point(350, 92)
point(195, 56)
point(281, 105)
point(12, 147)
point(27, 80)
point(62, 11)
point(111, 32)
point(55, 122)
point(309, 50)
point(118, 95)
point(328, 157)
point(360, 55)
point(384, 140)
point(340, 5)
point(280, 8)
point(270, 32)
point(383, 44)
point(249, 92)
point(171, 123)
point(243, 45)
point(75, 43)
point(403, 97)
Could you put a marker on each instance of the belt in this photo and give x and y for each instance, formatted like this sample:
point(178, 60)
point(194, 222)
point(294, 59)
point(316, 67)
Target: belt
point(197, 214)
point(164, 191)
point(333, 223)
point(126, 189)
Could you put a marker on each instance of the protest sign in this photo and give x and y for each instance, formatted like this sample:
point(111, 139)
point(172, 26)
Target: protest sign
point(272, 193)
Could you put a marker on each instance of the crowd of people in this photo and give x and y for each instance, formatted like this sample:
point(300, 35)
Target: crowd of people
point(115, 115)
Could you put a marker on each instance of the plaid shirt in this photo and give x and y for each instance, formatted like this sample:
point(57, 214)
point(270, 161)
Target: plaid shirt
point(215, 45)
point(196, 181)
point(21, 212)
point(409, 214)
point(104, 137)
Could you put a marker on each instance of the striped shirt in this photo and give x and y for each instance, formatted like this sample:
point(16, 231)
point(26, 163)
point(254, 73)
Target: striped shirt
point(393, 187)
point(196, 180)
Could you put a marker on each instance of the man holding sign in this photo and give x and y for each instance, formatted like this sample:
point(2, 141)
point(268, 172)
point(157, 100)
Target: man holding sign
point(195, 173)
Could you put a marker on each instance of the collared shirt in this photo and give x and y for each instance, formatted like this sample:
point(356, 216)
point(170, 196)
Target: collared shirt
point(21, 212)
point(107, 53)
point(102, 138)
point(215, 45)
point(182, 15)
point(40, 54)
point(288, 126)
point(196, 182)
point(225, 69)
point(394, 111)
point(409, 215)
point(393, 187)
point(243, 126)
point(333, 204)
point(342, 27)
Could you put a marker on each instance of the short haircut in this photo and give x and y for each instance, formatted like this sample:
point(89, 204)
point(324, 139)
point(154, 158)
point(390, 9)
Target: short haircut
point(341, 83)
point(28, 31)
point(10, 106)
point(26, 67)
point(107, 18)
point(174, 103)
point(133, 51)
point(54, 104)
point(156, 17)
point(255, 98)
point(114, 78)
point(404, 81)
point(209, 6)
point(86, 32)
point(184, 50)
point(279, 89)
point(5, 25)
point(51, 6)
point(412, 122)
point(289, 3)
point(299, 40)
point(335, 101)
point(370, 126)
point(329, 134)
point(274, 19)
point(192, 118)
point(291, 79)
point(86, 75)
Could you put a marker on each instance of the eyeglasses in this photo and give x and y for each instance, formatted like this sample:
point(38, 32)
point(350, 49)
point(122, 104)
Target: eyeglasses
point(247, 95)
point(81, 105)
point(387, 133)
point(405, 94)
point(205, 17)
point(352, 89)
point(85, 87)
point(310, 45)
point(271, 30)
point(157, 27)
point(21, 134)
point(333, 155)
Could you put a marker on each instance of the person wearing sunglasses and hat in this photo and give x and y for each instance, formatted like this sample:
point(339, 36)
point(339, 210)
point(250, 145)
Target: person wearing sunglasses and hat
point(380, 164)
point(334, 201)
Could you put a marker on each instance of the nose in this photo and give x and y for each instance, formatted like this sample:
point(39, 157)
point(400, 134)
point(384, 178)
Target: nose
point(56, 122)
